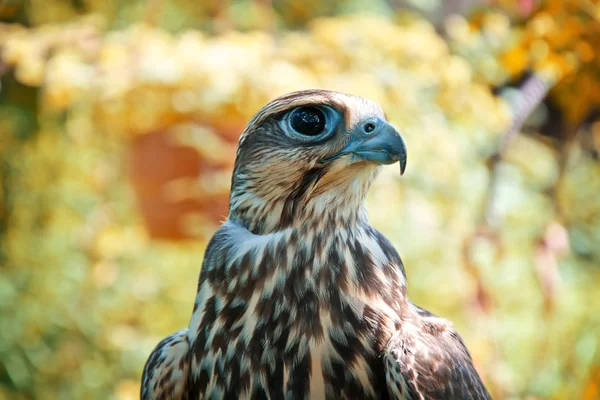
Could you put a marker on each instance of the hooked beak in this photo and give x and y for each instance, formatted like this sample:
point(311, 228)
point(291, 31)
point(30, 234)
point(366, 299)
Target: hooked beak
point(376, 141)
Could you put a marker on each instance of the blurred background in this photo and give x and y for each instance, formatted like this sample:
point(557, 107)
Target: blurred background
point(118, 128)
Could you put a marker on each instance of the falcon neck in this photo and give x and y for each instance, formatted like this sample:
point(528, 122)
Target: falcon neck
point(322, 255)
point(317, 234)
point(329, 210)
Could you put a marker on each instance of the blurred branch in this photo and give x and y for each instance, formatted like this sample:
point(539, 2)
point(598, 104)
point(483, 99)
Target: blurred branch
point(531, 94)
point(590, 8)
point(551, 246)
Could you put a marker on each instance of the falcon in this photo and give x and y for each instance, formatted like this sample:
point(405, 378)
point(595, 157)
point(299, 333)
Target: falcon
point(299, 297)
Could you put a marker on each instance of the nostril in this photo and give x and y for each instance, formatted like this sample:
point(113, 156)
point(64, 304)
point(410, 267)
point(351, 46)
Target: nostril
point(369, 127)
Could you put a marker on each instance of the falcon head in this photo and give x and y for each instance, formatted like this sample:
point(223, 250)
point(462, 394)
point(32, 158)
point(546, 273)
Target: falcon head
point(308, 156)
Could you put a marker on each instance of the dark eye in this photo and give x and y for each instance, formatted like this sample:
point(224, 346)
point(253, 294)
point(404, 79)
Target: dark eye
point(309, 121)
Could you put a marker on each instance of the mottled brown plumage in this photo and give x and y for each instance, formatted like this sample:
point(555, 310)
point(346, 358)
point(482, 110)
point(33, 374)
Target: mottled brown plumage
point(299, 296)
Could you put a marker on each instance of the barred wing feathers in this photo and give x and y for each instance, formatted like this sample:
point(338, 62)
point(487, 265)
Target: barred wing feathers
point(166, 371)
point(427, 360)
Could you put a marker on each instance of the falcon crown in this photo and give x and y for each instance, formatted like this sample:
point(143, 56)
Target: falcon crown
point(299, 297)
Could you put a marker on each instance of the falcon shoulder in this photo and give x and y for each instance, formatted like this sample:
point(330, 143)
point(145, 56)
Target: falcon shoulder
point(165, 374)
point(427, 360)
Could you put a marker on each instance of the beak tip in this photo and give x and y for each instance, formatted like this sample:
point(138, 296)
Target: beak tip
point(402, 163)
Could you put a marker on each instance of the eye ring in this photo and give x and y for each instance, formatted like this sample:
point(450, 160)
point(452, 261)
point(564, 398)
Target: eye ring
point(308, 121)
point(311, 123)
